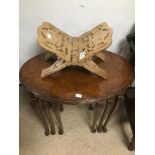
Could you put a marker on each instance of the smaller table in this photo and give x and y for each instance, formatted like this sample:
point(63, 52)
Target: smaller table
point(75, 85)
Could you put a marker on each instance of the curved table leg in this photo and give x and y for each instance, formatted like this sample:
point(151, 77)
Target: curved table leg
point(36, 106)
point(57, 116)
point(96, 116)
point(42, 117)
point(112, 112)
point(99, 128)
point(49, 117)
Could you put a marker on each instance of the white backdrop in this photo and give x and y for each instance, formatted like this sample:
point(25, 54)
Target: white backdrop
point(74, 17)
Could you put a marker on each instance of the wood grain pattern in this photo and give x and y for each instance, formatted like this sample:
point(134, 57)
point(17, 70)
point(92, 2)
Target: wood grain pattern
point(75, 50)
point(63, 86)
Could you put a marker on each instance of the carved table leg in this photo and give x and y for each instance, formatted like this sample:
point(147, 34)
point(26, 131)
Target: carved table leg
point(41, 114)
point(36, 105)
point(99, 128)
point(96, 115)
point(57, 116)
point(112, 112)
point(49, 117)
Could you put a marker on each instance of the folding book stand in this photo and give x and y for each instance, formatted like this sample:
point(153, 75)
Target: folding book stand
point(75, 50)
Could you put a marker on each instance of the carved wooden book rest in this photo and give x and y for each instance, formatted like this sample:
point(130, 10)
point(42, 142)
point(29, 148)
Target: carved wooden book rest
point(75, 50)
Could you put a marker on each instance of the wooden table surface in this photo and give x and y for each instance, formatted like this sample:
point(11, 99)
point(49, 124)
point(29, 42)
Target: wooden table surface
point(66, 85)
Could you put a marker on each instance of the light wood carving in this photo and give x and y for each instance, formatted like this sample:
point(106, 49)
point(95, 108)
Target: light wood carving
point(75, 50)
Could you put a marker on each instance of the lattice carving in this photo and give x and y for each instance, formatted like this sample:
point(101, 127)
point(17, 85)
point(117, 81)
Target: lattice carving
point(75, 50)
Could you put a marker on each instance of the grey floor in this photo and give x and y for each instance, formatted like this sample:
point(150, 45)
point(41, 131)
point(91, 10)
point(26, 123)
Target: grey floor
point(77, 138)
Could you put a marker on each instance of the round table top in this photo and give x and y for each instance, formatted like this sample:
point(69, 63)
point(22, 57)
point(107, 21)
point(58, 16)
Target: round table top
point(75, 84)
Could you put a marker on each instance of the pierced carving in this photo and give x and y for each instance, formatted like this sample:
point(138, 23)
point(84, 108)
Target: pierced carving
point(75, 50)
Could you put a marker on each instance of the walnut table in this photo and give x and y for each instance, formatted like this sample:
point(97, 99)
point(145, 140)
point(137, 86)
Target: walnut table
point(75, 85)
